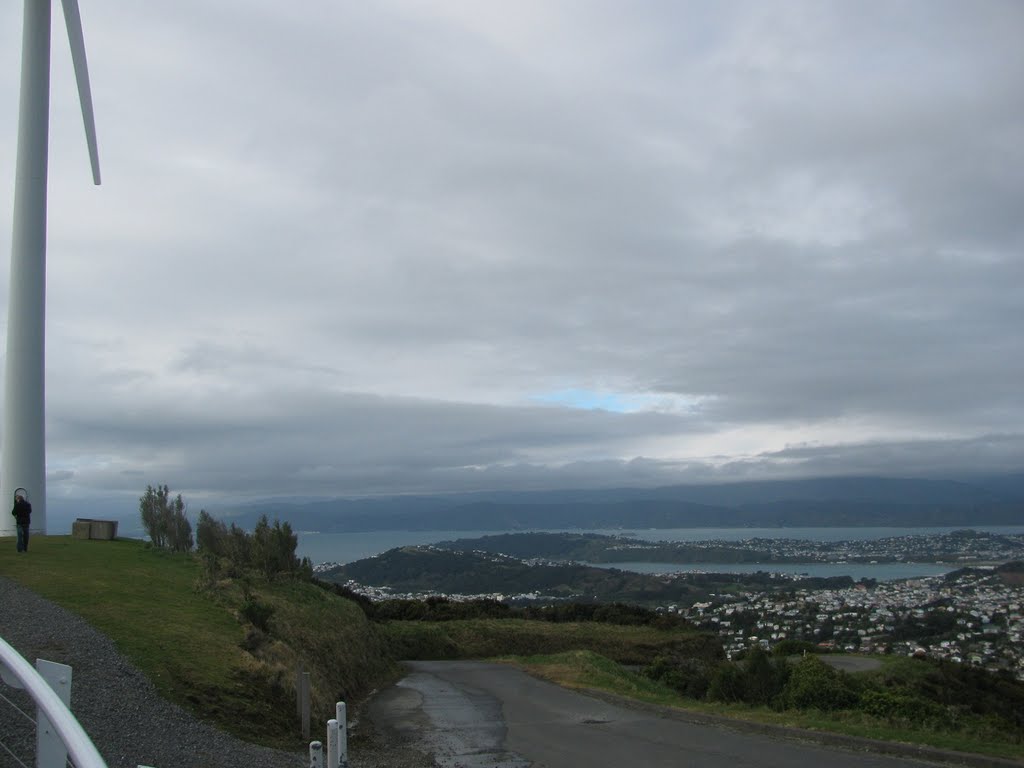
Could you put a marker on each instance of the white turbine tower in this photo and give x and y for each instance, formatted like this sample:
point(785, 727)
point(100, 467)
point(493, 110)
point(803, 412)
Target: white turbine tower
point(24, 446)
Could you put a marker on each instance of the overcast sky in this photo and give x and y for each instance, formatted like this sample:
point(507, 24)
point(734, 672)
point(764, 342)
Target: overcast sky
point(363, 247)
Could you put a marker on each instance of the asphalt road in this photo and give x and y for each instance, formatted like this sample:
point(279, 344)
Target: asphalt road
point(479, 715)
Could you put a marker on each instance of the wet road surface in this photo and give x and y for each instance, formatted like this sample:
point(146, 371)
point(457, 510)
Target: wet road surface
point(479, 715)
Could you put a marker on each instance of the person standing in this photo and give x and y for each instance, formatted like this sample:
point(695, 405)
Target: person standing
point(23, 515)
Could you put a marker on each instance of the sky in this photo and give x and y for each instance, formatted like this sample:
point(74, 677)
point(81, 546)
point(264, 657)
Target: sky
point(404, 247)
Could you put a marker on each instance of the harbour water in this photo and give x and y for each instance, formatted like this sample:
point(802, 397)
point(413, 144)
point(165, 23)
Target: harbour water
point(879, 571)
point(347, 547)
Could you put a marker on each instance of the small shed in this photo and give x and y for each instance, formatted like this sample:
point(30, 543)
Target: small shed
point(87, 528)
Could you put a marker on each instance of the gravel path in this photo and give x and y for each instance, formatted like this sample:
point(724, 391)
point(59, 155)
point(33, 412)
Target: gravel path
point(129, 723)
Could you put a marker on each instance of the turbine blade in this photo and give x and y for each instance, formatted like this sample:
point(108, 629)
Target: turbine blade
point(73, 21)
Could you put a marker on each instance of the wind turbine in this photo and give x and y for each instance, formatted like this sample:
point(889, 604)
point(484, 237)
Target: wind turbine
point(24, 447)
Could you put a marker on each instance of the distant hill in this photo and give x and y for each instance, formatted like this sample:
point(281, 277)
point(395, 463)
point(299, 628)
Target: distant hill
point(428, 569)
point(819, 502)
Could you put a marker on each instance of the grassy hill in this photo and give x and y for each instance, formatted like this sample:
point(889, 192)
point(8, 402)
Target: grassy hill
point(195, 639)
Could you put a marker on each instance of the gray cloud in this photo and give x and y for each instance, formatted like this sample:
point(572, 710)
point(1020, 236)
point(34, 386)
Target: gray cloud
point(371, 248)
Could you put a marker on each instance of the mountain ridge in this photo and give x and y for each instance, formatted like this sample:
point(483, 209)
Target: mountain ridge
point(813, 502)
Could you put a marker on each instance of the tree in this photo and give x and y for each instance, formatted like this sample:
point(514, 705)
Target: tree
point(273, 548)
point(211, 536)
point(164, 519)
point(814, 685)
point(763, 680)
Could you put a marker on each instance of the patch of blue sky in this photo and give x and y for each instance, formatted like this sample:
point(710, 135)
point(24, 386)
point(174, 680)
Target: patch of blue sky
point(620, 402)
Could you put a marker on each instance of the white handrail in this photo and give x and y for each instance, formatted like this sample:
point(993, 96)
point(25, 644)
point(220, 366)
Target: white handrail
point(83, 753)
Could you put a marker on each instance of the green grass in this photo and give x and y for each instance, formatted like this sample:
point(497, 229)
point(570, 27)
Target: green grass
point(586, 670)
point(487, 638)
point(589, 670)
point(142, 598)
point(185, 634)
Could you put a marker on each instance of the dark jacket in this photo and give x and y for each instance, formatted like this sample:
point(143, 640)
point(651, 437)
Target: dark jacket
point(22, 512)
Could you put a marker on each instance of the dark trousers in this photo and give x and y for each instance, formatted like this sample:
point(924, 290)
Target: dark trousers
point(23, 537)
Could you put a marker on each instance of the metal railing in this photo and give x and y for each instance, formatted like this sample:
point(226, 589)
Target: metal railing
point(61, 739)
point(58, 732)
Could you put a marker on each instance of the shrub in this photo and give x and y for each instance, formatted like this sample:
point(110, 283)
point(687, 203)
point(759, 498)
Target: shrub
point(690, 677)
point(903, 708)
point(813, 684)
point(164, 519)
point(256, 613)
point(269, 549)
point(273, 548)
point(727, 685)
point(794, 648)
point(211, 536)
point(763, 680)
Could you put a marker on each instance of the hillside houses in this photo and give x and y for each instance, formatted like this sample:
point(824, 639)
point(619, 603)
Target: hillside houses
point(969, 617)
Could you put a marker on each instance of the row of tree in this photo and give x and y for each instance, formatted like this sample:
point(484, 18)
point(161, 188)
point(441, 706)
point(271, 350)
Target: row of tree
point(438, 608)
point(269, 549)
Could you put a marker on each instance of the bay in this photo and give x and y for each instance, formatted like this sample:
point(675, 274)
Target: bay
point(348, 547)
point(878, 571)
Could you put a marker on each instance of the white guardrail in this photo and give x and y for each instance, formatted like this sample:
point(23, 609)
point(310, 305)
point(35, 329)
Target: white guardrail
point(58, 732)
point(60, 736)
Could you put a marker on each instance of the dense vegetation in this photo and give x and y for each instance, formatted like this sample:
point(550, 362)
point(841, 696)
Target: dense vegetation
point(436, 608)
point(907, 694)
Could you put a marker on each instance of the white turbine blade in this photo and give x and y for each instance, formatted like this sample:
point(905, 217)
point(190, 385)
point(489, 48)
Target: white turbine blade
point(73, 21)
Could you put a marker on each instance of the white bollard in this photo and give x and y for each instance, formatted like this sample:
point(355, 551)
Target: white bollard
point(341, 715)
point(332, 744)
point(316, 754)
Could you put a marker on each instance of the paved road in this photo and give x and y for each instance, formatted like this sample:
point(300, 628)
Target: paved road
point(478, 715)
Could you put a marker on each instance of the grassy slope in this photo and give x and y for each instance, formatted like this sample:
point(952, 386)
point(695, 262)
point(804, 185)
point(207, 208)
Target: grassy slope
point(585, 670)
point(188, 640)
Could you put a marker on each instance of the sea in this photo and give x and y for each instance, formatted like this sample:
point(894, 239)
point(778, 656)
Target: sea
point(348, 547)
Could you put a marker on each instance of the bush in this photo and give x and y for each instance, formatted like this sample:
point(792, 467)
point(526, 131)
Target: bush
point(763, 680)
point(690, 677)
point(164, 519)
point(211, 536)
point(794, 648)
point(256, 613)
point(727, 685)
point(269, 549)
point(813, 684)
point(900, 708)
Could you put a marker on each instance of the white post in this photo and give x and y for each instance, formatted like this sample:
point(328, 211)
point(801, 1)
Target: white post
point(316, 754)
point(50, 749)
point(341, 716)
point(333, 761)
